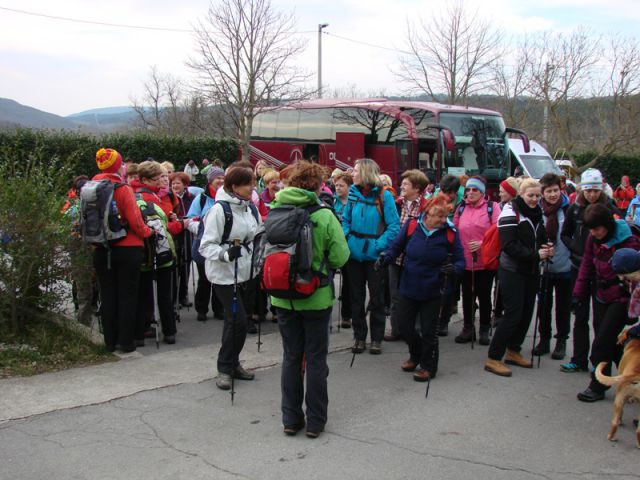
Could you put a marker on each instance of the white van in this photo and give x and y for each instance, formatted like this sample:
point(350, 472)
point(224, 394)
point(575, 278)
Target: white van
point(534, 163)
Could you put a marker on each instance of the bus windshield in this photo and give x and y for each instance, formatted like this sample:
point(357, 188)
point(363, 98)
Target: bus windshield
point(480, 143)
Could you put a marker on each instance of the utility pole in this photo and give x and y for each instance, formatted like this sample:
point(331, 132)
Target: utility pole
point(320, 27)
point(545, 115)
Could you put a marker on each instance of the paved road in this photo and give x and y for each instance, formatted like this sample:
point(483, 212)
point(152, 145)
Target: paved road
point(160, 416)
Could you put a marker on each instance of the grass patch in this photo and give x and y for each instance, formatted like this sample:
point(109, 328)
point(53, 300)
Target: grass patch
point(46, 347)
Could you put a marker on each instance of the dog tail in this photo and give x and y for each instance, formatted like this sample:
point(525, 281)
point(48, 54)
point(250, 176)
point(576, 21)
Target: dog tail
point(616, 380)
point(604, 379)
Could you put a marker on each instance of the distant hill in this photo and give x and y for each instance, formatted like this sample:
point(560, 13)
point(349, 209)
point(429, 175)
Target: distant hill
point(14, 114)
point(97, 120)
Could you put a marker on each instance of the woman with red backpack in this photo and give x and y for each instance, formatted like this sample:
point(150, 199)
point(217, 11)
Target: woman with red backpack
point(474, 216)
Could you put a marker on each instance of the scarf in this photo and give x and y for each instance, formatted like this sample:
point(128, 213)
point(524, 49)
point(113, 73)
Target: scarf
point(534, 214)
point(551, 212)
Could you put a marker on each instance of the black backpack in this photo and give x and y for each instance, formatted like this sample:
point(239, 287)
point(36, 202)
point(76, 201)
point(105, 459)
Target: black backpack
point(228, 224)
point(287, 271)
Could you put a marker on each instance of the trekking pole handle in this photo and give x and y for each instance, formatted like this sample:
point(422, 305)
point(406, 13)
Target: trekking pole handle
point(237, 242)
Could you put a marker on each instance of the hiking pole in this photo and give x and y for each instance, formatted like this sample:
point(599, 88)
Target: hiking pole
point(339, 300)
point(259, 342)
point(234, 317)
point(474, 258)
point(185, 262)
point(493, 310)
point(156, 310)
point(444, 299)
point(540, 311)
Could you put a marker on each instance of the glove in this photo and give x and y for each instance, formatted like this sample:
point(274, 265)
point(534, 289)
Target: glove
point(576, 304)
point(235, 251)
point(448, 268)
point(381, 262)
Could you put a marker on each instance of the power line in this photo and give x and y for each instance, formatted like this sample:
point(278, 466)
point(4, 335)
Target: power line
point(372, 45)
point(107, 24)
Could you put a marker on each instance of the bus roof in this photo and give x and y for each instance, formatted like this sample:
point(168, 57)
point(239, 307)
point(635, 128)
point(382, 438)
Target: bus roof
point(385, 105)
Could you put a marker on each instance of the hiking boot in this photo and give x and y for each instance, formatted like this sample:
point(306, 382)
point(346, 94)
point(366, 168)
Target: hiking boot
point(572, 368)
point(251, 327)
point(359, 346)
point(409, 365)
point(497, 367)
point(375, 348)
point(140, 343)
point(466, 335)
point(422, 375)
point(169, 339)
point(241, 374)
point(542, 348)
point(515, 358)
point(590, 396)
point(560, 350)
point(442, 330)
point(346, 323)
point(202, 317)
point(217, 315)
point(223, 381)
point(291, 430)
point(484, 337)
point(390, 337)
point(314, 432)
point(186, 303)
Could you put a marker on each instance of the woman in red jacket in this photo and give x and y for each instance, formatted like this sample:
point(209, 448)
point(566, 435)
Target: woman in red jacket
point(118, 267)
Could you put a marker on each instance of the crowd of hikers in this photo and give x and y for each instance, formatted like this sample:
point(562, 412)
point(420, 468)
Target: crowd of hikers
point(266, 240)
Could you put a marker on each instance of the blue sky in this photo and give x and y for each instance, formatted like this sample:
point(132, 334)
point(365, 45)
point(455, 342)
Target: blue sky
point(66, 67)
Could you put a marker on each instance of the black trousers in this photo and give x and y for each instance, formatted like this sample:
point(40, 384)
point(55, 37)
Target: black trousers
point(206, 292)
point(477, 284)
point(144, 311)
point(519, 299)
point(609, 319)
point(305, 337)
point(423, 347)
point(581, 326)
point(345, 294)
point(361, 275)
point(234, 331)
point(119, 293)
point(563, 287)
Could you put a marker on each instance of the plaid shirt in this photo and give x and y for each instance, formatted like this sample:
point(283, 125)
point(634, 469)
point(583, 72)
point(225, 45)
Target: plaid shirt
point(408, 210)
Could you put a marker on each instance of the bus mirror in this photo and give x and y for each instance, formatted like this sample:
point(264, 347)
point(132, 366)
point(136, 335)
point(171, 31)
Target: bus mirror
point(523, 136)
point(449, 140)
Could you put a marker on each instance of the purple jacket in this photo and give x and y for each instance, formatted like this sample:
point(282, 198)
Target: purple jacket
point(596, 264)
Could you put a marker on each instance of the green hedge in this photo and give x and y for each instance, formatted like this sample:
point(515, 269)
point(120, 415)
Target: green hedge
point(81, 148)
point(614, 167)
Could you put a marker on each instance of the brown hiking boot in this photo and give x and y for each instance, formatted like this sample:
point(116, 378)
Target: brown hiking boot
point(408, 365)
point(422, 375)
point(514, 358)
point(497, 367)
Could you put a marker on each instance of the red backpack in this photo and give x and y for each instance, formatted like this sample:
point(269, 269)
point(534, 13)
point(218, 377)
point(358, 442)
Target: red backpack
point(413, 223)
point(490, 248)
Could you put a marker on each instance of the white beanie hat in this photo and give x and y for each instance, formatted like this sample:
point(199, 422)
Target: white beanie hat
point(591, 179)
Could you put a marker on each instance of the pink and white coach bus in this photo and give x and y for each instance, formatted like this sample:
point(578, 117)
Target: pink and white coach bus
point(435, 138)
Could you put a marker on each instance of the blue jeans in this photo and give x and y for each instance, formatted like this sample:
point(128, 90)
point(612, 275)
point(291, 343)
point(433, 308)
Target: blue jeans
point(305, 337)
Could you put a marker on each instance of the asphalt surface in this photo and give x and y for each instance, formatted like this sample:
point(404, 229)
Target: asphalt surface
point(157, 414)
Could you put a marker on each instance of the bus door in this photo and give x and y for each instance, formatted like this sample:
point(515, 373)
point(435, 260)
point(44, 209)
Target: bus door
point(405, 156)
point(349, 147)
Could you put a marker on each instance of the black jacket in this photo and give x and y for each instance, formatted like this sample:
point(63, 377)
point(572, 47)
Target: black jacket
point(520, 241)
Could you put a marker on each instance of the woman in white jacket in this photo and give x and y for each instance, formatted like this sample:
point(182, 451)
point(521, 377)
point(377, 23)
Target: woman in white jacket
point(221, 253)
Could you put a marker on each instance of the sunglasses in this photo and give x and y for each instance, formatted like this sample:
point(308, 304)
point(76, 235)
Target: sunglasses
point(471, 189)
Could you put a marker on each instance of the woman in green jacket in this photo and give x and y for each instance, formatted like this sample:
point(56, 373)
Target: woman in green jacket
point(304, 323)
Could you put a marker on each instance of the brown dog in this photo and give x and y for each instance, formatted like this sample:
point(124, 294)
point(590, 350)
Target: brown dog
point(627, 383)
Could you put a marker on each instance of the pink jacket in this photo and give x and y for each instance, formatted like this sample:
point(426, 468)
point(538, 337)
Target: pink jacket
point(472, 225)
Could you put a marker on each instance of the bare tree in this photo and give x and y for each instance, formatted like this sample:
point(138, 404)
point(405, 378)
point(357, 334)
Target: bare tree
point(561, 68)
point(169, 107)
point(245, 50)
point(451, 54)
point(618, 99)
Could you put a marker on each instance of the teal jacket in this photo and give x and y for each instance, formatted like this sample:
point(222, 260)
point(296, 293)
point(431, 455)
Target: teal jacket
point(328, 242)
point(368, 232)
